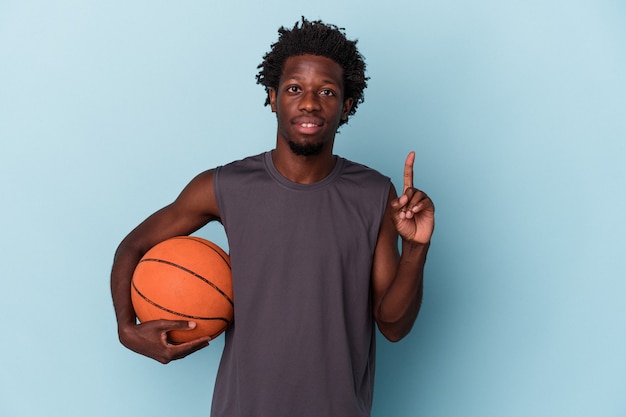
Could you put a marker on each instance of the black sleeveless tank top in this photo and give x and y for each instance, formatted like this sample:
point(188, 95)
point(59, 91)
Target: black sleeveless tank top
point(303, 339)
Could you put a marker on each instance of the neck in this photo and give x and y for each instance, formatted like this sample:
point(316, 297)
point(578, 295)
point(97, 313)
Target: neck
point(303, 169)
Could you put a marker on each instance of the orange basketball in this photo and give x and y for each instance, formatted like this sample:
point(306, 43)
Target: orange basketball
point(185, 278)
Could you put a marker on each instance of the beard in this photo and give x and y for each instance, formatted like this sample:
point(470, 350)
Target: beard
point(306, 150)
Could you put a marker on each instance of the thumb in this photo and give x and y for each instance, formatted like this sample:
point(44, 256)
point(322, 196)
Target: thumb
point(187, 325)
point(167, 325)
point(402, 200)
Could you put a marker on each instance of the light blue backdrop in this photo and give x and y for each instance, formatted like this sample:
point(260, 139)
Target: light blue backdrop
point(516, 111)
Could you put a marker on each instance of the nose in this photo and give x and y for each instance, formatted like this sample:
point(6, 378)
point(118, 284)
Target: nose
point(309, 102)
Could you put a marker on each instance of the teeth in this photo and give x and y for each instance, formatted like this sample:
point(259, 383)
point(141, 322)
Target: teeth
point(308, 125)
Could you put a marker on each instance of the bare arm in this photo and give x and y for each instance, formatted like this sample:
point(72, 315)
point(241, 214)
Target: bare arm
point(397, 279)
point(194, 207)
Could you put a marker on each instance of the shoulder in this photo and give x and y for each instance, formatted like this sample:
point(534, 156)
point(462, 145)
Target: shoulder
point(236, 173)
point(367, 186)
point(352, 166)
point(250, 162)
point(363, 174)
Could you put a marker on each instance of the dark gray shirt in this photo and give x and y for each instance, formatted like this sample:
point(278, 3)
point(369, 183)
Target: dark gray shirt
point(303, 339)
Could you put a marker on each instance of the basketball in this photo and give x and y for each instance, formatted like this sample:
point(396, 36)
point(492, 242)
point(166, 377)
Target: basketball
point(185, 278)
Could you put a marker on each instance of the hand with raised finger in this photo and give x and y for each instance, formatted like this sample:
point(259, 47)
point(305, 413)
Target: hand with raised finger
point(413, 211)
point(150, 339)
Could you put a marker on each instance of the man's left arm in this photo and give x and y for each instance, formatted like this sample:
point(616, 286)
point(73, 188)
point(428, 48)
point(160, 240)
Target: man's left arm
point(397, 278)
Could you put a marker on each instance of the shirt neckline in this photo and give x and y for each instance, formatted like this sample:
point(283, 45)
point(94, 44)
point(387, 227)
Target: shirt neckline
point(278, 177)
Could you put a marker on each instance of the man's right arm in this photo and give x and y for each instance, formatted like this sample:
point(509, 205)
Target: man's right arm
point(195, 206)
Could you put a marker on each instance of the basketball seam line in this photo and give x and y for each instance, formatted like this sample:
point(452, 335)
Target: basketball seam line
point(176, 312)
point(203, 242)
point(192, 273)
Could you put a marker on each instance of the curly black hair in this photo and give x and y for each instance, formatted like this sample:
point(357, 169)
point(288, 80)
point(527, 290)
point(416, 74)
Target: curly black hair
point(316, 38)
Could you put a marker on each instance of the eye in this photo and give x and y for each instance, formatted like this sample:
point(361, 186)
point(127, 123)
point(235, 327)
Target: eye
point(293, 89)
point(327, 92)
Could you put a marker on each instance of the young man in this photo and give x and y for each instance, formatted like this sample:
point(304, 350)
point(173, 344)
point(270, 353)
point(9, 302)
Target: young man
point(313, 240)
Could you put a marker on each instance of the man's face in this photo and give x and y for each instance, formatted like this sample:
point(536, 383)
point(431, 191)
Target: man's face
point(309, 103)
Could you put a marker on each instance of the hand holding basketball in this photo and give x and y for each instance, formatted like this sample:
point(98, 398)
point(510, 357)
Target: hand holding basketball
point(150, 339)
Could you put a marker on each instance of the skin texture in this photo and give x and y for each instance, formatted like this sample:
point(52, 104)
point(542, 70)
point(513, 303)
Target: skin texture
point(309, 104)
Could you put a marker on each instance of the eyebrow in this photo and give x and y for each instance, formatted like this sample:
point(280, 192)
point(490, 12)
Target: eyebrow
point(300, 78)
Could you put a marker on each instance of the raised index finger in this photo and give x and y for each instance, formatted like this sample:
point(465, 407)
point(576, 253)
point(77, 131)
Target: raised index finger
point(408, 171)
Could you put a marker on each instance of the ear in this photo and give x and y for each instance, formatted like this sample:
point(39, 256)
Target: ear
point(347, 105)
point(272, 96)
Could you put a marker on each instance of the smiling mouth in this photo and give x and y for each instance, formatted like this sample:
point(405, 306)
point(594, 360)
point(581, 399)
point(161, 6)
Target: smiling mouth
point(308, 122)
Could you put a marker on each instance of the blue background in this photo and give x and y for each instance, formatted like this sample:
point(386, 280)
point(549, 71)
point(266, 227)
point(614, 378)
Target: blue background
point(516, 110)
